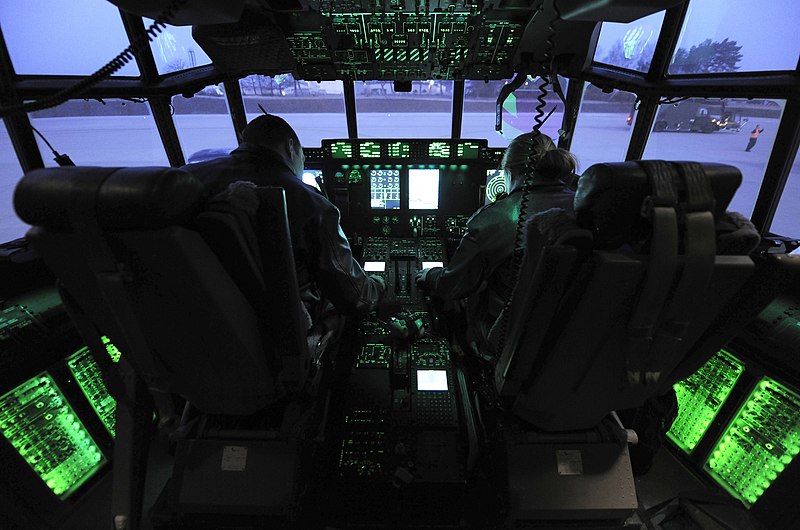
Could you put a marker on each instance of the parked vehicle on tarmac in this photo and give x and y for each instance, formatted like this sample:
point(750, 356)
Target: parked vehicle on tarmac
point(696, 115)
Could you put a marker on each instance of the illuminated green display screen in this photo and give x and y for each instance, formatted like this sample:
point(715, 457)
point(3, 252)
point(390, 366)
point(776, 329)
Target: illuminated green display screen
point(439, 150)
point(374, 356)
point(467, 150)
point(87, 374)
point(341, 150)
point(399, 149)
point(761, 440)
point(354, 176)
point(112, 350)
point(44, 429)
point(370, 150)
point(700, 397)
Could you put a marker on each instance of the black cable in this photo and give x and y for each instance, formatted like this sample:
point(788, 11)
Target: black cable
point(539, 117)
point(44, 139)
point(61, 160)
point(112, 66)
point(518, 253)
point(548, 59)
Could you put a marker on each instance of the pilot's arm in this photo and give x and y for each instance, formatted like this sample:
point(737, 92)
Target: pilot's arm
point(340, 278)
point(467, 269)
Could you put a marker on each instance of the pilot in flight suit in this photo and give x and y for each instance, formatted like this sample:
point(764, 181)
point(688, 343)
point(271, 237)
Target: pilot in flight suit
point(481, 266)
point(270, 154)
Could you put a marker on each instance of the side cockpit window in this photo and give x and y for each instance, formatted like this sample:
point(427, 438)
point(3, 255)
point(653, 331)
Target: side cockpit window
point(720, 130)
point(63, 38)
point(108, 132)
point(11, 227)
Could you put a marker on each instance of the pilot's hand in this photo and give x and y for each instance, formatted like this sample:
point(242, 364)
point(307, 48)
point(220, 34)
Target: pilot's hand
point(380, 281)
point(420, 278)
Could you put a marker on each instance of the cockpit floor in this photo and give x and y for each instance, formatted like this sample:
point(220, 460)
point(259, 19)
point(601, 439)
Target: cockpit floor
point(666, 479)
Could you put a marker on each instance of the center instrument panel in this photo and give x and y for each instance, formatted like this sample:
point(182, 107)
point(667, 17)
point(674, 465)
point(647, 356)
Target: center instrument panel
point(405, 439)
point(406, 434)
point(406, 188)
point(406, 431)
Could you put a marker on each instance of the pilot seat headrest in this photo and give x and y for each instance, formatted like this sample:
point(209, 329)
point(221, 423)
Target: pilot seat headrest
point(610, 198)
point(136, 198)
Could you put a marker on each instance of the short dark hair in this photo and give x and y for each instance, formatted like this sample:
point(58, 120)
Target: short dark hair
point(269, 130)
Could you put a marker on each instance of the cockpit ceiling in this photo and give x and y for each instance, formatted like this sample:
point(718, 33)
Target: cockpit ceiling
point(345, 41)
point(397, 40)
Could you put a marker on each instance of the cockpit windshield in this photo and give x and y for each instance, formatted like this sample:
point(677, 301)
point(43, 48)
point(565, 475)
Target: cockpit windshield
point(411, 75)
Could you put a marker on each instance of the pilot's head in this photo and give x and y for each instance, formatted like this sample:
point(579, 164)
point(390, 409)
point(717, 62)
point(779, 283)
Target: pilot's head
point(548, 162)
point(273, 133)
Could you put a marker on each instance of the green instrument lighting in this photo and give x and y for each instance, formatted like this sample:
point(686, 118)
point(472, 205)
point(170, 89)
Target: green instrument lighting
point(701, 396)
point(341, 150)
point(112, 350)
point(399, 149)
point(44, 429)
point(87, 374)
point(370, 150)
point(467, 150)
point(496, 184)
point(363, 449)
point(439, 150)
point(355, 177)
point(374, 356)
point(307, 46)
point(761, 440)
point(430, 354)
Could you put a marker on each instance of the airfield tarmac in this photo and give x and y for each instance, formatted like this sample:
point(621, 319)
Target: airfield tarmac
point(599, 137)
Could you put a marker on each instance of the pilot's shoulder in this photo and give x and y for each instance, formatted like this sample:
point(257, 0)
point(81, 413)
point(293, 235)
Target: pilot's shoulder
point(488, 214)
point(196, 167)
point(310, 198)
point(486, 207)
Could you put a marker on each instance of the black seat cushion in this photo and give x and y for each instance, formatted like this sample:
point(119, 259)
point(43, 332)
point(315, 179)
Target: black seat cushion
point(124, 198)
point(610, 196)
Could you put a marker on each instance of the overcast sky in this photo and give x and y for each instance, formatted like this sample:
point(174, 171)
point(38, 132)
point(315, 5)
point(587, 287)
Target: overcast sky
point(767, 30)
point(79, 36)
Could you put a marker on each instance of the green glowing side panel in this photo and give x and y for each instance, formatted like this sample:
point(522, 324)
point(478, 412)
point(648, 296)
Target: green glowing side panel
point(374, 356)
point(112, 350)
point(701, 396)
point(761, 440)
point(87, 374)
point(41, 425)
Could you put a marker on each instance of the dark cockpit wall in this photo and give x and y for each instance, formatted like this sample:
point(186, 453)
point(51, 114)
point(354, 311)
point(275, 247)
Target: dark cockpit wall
point(187, 93)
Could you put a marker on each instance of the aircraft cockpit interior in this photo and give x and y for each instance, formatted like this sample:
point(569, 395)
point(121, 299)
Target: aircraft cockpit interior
point(409, 317)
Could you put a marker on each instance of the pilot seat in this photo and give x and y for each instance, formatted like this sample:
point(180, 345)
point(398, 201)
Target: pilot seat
point(609, 312)
point(202, 306)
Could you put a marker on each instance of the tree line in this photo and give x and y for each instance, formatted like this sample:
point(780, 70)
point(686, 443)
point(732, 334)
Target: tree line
point(708, 57)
